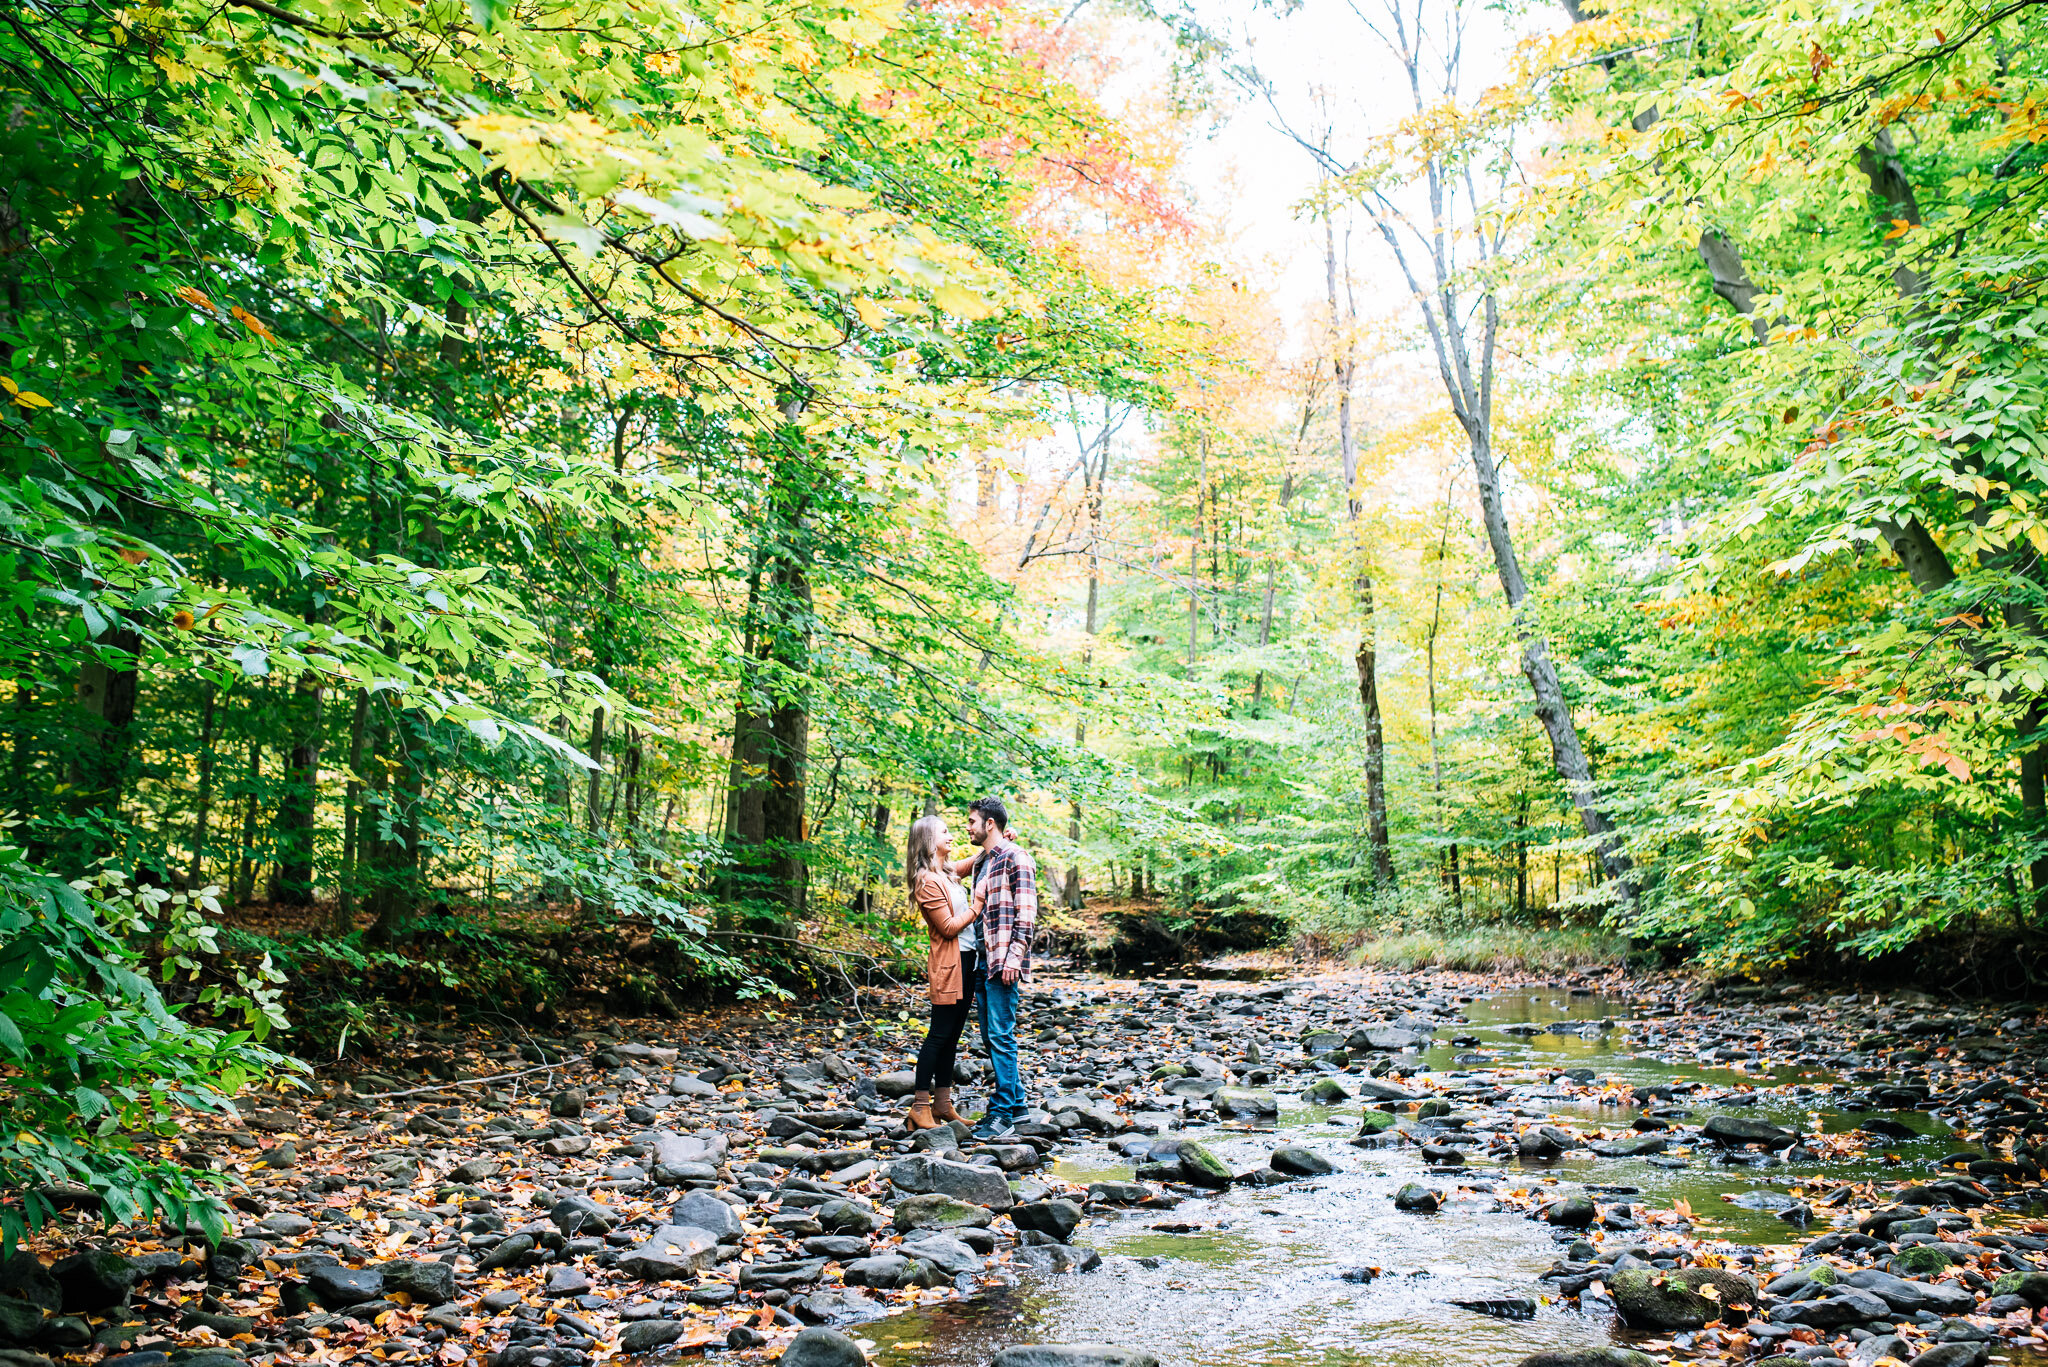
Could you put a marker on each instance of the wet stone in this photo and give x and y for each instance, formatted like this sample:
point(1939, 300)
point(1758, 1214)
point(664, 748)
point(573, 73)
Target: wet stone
point(339, 1287)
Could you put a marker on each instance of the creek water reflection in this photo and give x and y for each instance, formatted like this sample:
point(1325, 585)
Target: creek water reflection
point(1263, 1279)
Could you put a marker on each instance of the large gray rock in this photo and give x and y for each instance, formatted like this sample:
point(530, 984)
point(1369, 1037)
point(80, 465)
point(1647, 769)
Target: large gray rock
point(514, 1251)
point(1684, 1298)
point(1607, 1355)
point(96, 1280)
point(672, 1253)
point(702, 1210)
point(1057, 1218)
point(338, 1287)
point(1296, 1161)
point(1907, 1297)
point(1416, 1197)
point(781, 1276)
point(1630, 1148)
point(934, 1210)
point(943, 1251)
point(1385, 1038)
point(1734, 1131)
point(578, 1214)
point(1879, 1346)
point(837, 1305)
point(20, 1323)
point(1053, 1258)
point(892, 1272)
point(1243, 1101)
point(922, 1173)
point(816, 1347)
point(1073, 1355)
point(426, 1282)
point(1846, 1307)
point(848, 1217)
point(896, 1084)
point(24, 1277)
point(1372, 1089)
point(679, 1158)
point(644, 1336)
point(1954, 1355)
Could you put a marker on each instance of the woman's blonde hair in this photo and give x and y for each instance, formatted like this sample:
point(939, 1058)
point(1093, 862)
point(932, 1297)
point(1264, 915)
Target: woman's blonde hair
point(922, 851)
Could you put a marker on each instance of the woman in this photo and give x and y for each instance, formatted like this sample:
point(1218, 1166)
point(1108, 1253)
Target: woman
point(949, 968)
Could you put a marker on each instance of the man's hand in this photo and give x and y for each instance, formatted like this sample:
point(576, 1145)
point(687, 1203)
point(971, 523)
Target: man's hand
point(1010, 974)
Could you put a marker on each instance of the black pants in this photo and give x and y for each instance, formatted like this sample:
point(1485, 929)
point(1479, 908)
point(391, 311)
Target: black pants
point(942, 1039)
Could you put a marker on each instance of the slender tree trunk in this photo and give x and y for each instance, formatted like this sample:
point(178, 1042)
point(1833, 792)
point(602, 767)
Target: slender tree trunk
point(1194, 559)
point(771, 750)
point(1344, 356)
point(593, 814)
point(1522, 856)
point(298, 799)
point(244, 885)
point(1093, 479)
point(22, 746)
point(1265, 632)
point(351, 817)
point(104, 759)
point(395, 832)
point(202, 806)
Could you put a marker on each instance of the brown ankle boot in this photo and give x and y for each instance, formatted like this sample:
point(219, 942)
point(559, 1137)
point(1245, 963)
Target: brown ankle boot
point(920, 1118)
point(942, 1106)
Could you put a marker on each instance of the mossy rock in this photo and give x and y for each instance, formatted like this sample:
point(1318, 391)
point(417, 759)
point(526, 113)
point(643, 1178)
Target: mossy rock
point(1649, 1298)
point(1920, 1260)
point(1200, 1167)
point(1326, 1091)
point(1417, 1197)
point(2031, 1287)
point(1372, 1122)
point(1432, 1108)
point(1610, 1355)
point(1823, 1274)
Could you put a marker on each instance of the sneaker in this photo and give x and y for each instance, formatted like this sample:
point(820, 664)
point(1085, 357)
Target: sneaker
point(994, 1127)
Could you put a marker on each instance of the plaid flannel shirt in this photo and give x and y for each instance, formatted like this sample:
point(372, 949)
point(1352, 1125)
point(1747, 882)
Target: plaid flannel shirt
point(1006, 888)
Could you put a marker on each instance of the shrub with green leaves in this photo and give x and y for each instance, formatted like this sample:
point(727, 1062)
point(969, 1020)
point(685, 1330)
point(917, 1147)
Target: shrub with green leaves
point(97, 1063)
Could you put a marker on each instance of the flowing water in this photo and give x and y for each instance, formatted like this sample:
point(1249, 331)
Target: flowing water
point(1258, 1277)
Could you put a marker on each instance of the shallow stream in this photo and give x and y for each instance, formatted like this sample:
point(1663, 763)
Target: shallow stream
point(1259, 1279)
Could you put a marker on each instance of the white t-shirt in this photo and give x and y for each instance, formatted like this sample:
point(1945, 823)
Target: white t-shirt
point(970, 941)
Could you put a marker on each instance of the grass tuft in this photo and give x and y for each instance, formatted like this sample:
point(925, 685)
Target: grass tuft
point(1493, 949)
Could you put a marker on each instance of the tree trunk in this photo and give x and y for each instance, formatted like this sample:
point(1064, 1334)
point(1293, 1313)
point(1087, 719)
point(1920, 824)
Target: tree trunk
point(1522, 857)
point(593, 812)
point(1344, 357)
point(394, 834)
point(1552, 710)
point(243, 885)
point(1375, 747)
point(298, 800)
point(104, 759)
point(202, 806)
point(351, 818)
point(771, 751)
point(782, 800)
point(1194, 560)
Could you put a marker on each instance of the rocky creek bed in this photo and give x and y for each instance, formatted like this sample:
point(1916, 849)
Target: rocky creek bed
point(1341, 1169)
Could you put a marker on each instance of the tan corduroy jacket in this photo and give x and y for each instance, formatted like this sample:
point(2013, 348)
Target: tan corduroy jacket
point(942, 967)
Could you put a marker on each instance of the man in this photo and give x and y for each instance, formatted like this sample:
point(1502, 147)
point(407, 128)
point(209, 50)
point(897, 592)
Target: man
point(1005, 883)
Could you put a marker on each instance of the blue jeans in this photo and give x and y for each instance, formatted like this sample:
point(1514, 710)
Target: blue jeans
point(995, 1006)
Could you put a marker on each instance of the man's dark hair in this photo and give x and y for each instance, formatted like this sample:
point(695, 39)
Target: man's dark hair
point(993, 809)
